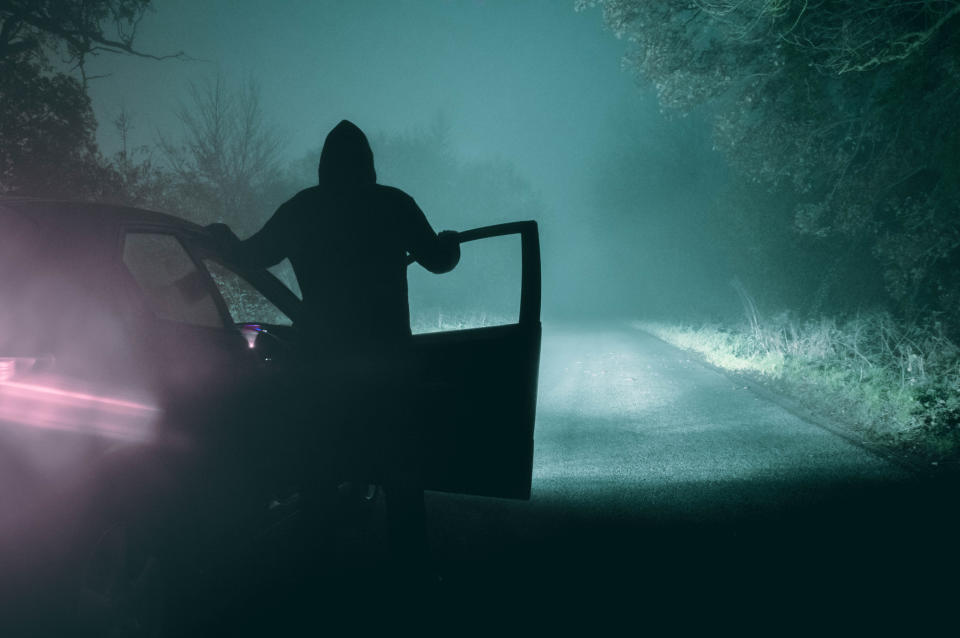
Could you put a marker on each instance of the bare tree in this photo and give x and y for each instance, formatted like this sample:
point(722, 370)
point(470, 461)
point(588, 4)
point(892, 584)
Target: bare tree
point(226, 159)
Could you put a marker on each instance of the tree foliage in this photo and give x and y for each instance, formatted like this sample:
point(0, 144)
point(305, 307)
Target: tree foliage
point(47, 131)
point(47, 127)
point(846, 109)
point(71, 29)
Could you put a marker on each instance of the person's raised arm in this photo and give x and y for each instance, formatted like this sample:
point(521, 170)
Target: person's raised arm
point(267, 247)
point(437, 253)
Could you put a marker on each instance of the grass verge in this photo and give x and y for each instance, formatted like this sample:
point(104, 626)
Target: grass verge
point(896, 385)
point(434, 320)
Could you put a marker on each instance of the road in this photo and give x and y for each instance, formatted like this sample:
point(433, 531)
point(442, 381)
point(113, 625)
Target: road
point(663, 487)
point(656, 474)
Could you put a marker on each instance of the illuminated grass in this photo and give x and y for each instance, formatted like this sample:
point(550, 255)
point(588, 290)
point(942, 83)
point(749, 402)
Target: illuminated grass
point(897, 384)
point(441, 321)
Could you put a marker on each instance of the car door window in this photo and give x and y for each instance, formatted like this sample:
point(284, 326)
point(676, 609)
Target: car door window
point(173, 286)
point(483, 290)
point(284, 272)
point(245, 303)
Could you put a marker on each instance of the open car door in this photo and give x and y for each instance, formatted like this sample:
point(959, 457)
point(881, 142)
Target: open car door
point(481, 392)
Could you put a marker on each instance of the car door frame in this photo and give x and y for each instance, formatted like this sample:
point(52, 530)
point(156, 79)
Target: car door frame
point(514, 482)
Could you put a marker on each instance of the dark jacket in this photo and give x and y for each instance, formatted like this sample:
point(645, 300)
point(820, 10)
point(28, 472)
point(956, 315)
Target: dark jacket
point(348, 239)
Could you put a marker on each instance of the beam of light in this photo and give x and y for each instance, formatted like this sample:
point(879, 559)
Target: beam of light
point(250, 332)
point(47, 404)
point(599, 374)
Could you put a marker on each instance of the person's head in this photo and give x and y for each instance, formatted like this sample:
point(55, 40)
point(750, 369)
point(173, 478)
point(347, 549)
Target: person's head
point(346, 159)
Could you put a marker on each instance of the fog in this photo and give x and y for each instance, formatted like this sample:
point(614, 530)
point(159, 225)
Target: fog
point(729, 183)
point(534, 90)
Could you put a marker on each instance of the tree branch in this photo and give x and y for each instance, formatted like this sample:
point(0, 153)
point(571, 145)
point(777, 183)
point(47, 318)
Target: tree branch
point(909, 42)
point(81, 39)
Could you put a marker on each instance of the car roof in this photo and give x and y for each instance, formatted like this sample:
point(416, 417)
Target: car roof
point(79, 213)
point(98, 224)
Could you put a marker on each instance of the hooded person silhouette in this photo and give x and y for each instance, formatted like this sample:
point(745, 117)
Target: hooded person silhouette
point(348, 240)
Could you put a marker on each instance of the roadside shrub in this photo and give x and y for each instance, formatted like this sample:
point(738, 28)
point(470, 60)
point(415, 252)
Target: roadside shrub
point(898, 383)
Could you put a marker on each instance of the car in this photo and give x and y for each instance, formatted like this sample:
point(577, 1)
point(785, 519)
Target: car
point(144, 393)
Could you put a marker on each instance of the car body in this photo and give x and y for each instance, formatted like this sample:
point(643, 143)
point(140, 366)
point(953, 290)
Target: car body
point(143, 378)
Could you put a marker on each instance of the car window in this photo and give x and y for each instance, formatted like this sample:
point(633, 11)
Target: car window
point(245, 303)
point(483, 290)
point(174, 287)
point(284, 272)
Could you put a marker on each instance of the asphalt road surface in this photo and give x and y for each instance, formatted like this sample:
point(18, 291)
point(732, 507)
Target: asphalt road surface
point(663, 488)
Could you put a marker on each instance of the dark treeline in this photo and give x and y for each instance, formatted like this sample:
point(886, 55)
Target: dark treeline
point(47, 126)
point(840, 125)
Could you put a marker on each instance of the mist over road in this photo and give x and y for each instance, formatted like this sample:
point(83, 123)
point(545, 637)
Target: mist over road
point(627, 421)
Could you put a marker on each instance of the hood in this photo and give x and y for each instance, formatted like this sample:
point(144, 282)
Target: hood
point(346, 159)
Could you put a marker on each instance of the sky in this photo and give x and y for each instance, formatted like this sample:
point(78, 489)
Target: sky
point(530, 81)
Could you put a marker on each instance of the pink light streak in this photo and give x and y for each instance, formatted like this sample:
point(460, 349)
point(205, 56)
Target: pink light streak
point(49, 407)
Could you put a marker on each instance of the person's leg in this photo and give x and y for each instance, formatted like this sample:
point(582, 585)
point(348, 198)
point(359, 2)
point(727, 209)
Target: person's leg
point(322, 452)
point(403, 486)
point(396, 439)
point(406, 520)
